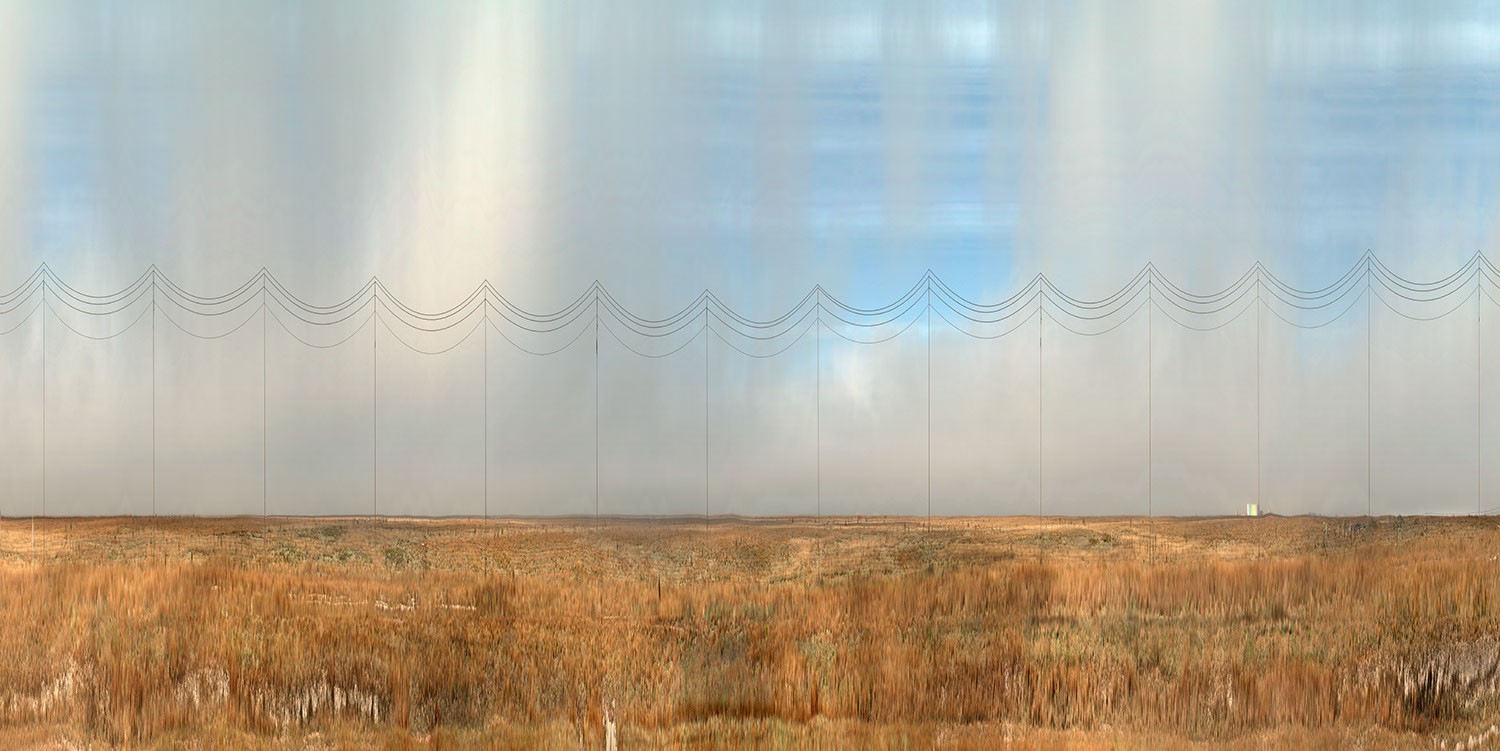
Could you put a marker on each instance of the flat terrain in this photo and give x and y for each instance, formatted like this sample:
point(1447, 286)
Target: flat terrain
point(781, 633)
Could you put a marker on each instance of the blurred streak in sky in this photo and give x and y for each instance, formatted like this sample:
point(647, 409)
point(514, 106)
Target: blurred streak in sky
point(756, 148)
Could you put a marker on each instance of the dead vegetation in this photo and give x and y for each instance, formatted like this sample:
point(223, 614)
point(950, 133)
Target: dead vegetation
point(781, 633)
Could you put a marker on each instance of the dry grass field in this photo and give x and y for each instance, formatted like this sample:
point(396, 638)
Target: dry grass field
point(787, 633)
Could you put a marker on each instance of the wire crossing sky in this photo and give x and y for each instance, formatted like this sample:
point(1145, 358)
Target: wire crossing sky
point(545, 334)
point(759, 258)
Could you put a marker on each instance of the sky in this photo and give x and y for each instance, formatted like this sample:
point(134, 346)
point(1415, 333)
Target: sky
point(756, 149)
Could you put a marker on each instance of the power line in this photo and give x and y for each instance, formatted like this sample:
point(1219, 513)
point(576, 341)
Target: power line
point(426, 352)
point(34, 308)
point(536, 353)
point(326, 327)
point(805, 322)
point(702, 327)
point(101, 338)
point(1105, 311)
point(1036, 298)
point(934, 289)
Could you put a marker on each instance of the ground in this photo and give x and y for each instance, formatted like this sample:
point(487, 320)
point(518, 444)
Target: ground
point(1302, 632)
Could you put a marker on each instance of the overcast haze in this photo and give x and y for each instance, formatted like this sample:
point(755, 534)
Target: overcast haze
point(756, 149)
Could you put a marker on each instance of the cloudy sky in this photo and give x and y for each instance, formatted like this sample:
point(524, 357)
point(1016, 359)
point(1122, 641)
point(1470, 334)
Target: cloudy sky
point(757, 149)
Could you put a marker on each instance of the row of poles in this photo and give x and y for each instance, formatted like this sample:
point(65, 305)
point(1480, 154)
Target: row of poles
point(818, 326)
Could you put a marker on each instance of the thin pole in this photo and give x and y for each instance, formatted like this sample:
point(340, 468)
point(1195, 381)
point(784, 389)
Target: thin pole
point(153, 391)
point(818, 398)
point(1041, 476)
point(1150, 407)
point(705, 415)
point(486, 401)
point(1479, 394)
point(1369, 390)
point(1259, 313)
point(45, 309)
point(596, 404)
point(264, 423)
point(929, 405)
point(375, 411)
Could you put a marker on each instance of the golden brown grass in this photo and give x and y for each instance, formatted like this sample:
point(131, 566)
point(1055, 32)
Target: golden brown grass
point(1110, 633)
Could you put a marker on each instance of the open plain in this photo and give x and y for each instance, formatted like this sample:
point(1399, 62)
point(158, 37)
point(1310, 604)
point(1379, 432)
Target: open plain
point(1016, 632)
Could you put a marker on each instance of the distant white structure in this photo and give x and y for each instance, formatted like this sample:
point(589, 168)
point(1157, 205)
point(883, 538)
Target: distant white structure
point(610, 742)
point(1252, 509)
